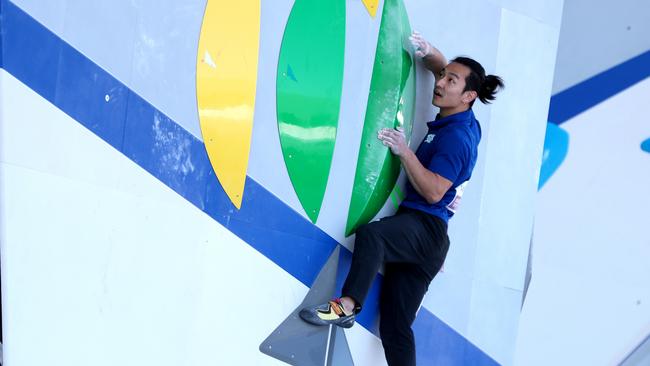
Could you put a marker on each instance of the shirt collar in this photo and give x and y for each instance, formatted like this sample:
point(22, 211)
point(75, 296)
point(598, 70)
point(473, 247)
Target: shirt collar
point(466, 116)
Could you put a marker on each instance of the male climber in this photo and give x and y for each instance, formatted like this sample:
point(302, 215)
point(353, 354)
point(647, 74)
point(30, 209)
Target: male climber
point(413, 243)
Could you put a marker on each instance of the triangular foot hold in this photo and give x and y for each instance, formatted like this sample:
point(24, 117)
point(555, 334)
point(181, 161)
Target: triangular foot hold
point(299, 343)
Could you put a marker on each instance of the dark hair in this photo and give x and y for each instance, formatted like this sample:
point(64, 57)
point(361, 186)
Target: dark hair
point(486, 86)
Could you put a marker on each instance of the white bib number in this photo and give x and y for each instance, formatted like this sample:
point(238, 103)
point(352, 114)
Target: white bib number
point(453, 205)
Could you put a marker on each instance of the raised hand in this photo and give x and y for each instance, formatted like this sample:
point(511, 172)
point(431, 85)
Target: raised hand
point(421, 46)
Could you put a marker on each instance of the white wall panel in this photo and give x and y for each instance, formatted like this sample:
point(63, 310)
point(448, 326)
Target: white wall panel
point(589, 299)
point(99, 272)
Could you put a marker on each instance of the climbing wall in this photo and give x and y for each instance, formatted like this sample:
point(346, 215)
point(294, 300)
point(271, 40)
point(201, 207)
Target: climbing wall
point(176, 175)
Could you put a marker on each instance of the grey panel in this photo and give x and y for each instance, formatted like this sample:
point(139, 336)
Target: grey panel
point(49, 13)
point(339, 352)
point(164, 61)
point(103, 31)
point(548, 12)
point(149, 45)
point(597, 35)
point(298, 343)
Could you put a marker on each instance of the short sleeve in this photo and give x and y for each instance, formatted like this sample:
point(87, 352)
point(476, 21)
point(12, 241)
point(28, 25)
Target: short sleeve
point(450, 157)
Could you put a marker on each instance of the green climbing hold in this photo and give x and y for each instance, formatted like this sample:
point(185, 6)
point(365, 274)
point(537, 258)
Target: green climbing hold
point(309, 87)
point(390, 104)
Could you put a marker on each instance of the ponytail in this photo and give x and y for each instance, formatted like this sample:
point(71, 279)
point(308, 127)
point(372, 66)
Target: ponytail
point(490, 86)
point(485, 86)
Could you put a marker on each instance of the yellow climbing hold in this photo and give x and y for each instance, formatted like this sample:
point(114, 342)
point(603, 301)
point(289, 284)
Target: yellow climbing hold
point(371, 5)
point(226, 81)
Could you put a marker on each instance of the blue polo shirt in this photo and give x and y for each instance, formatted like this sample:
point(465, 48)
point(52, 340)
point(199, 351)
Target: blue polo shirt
point(449, 149)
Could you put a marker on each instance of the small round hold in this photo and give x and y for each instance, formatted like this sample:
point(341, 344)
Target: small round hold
point(107, 97)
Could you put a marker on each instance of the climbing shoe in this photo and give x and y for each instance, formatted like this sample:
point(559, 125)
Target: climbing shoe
point(329, 313)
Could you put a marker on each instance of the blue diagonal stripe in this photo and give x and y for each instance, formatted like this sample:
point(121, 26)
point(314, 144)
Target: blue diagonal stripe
point(578, 98)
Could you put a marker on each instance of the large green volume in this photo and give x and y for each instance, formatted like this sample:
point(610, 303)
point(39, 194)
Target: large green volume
point(390, 104)
point(309, 86)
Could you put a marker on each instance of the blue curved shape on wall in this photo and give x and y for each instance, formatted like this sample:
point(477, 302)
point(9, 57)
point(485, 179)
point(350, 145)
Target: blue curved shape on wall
point(556, 147)
point(645, 145)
